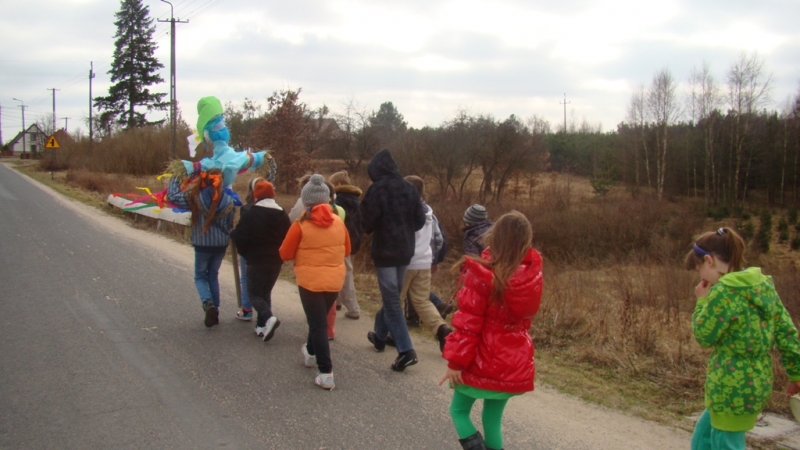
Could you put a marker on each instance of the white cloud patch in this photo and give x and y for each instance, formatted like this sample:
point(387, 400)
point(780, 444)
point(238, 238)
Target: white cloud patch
point(429, 57)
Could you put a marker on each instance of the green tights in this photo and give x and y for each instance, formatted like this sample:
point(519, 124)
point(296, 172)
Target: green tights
point(492, 418)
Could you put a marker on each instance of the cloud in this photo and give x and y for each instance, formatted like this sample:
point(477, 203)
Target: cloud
point(429, 58)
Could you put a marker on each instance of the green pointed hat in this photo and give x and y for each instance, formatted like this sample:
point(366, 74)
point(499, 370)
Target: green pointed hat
point(207, 108)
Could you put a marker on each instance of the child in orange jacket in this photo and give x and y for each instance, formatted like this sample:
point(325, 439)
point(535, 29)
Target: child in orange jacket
point(318, 242)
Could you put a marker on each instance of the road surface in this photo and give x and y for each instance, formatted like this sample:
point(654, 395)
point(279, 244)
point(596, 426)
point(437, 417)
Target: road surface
point(103, 346)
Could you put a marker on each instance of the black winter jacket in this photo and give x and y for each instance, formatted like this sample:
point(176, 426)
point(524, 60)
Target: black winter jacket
point(348, 197)
point(260, 233)
point(392, 211)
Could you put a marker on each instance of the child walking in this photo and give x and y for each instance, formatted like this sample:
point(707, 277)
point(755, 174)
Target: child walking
point(212, 220)
point(348, 197)
point(318, 243)
point(258, 236)
point(490, 353)
point(739, 315)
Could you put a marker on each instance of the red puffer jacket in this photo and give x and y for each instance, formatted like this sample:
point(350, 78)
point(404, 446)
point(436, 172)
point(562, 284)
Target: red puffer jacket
point(490, 342)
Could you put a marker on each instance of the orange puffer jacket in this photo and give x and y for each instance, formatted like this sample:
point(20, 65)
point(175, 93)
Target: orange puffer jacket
point(318, 246)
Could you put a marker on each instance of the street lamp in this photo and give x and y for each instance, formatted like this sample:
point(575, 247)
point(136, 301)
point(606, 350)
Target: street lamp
point(24, 142)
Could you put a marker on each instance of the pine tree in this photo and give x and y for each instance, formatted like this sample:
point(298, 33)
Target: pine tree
point(134, 68)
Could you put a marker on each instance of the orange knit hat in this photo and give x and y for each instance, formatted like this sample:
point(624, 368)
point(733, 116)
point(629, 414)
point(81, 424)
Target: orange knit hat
point(263, 189)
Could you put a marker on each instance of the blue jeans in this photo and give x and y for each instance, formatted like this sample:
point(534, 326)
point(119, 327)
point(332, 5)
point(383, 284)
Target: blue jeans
point(206, 274)
point(246, 305)
point(390, 318)
point(435, 299)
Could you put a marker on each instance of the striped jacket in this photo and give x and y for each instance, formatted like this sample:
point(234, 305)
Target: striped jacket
point(218, 234)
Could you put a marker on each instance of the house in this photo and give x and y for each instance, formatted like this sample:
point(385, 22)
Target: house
point(33, 143)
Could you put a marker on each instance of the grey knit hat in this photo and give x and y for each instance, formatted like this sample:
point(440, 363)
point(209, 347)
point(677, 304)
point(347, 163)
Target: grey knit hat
point(475, 213)
point(315, 191)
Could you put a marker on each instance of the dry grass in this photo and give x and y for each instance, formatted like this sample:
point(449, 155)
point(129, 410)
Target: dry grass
point(614, 325)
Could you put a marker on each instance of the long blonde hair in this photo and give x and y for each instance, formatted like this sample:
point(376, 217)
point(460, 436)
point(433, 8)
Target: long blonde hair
point(508, 240)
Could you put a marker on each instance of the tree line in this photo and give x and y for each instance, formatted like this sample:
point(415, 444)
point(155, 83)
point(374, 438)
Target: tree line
point(715, 139)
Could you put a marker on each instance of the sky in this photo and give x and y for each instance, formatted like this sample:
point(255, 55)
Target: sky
point(430, 58)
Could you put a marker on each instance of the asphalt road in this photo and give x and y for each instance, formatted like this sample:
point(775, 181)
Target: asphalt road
point(102, 346)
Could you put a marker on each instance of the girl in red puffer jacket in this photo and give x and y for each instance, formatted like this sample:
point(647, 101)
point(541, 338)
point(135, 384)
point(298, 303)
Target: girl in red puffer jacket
point(490, 353)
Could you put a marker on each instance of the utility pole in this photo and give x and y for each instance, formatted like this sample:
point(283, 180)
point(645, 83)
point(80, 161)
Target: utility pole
point(54, 106)
point(66, 121)
point(565, 102)
point(24, 131)
point(1, 125)
point(91, 75)
point(172, 83)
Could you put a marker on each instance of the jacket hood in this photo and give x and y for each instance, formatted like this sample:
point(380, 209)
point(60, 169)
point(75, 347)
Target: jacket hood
point(383, 165)
point(747, 277)
point(321, 215)
point(522, 285)
point(348, 189)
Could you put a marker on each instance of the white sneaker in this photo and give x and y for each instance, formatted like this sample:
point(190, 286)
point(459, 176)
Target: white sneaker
point(261, 331)
point(269, 328)
point(308, 360)
point(325, 381)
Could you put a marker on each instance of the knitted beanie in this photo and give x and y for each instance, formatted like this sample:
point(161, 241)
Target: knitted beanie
point(475, 213)
point(339, 178)
point(263, 189)
point(315, 191)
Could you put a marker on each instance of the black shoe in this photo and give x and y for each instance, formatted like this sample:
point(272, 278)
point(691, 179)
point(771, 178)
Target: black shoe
point(474, 442)
point(441, 335)
point(212, 314)
point(412, 322)
point(390, 341)
point(379, 344)
point(444, 309)
point(404, 360)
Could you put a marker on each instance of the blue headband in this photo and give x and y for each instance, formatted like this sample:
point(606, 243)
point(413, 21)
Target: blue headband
point(700, 251)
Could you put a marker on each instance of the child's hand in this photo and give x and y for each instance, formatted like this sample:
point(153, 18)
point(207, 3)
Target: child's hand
point(702, 288)
point(453, 376)
point(792, 387)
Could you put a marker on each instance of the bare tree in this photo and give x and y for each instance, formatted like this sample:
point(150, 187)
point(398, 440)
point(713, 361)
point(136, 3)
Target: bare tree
point(748, 91)
point(638, 118)
point(356, 141)
point(663, 109)
point(705, 101)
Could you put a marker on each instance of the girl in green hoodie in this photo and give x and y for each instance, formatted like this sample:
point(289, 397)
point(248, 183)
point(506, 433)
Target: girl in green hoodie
point(740, 316)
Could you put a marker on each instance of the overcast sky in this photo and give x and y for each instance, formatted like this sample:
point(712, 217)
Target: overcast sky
point(430, 58)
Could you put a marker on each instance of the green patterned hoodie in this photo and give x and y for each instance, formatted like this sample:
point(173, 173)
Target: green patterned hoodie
point(742, 319)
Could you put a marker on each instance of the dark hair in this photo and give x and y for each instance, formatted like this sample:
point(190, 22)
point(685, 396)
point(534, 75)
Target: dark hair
point(723, 244)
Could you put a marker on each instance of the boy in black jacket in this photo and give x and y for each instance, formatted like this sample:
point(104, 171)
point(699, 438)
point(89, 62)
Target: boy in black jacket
point(258, 236)
point(392, 211)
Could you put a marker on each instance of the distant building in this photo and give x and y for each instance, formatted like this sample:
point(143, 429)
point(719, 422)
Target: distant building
point(34, 141)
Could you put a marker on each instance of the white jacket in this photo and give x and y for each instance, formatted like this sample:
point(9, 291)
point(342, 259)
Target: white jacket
point(427, 241)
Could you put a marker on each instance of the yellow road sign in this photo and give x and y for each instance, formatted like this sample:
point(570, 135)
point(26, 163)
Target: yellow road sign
point(51, 142)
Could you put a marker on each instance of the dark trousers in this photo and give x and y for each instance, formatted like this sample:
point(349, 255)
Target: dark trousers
point(261, 279)
point(317, 305)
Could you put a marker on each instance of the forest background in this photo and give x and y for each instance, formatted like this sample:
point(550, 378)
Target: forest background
point(613, 212)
